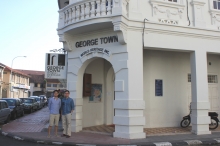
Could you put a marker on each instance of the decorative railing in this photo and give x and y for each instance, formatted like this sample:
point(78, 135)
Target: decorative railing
point(91, 9)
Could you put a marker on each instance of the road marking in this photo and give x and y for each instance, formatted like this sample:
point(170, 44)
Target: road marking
point(85, 145)
point(40, 141)
point(217, 139)
point(4, 133)
point(57, 143)
point(163, 144)
point(18, 138)
point(193, 142)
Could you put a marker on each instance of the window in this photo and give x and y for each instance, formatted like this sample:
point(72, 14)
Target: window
point(48, 85)
point(4, 72)
point(189, 77)
point(42, 85)
point(54, 85)
point(172, 0)
point(216, 4)
point(212, 79)
point(35, 84)
point(4, 105)
point(60, 85)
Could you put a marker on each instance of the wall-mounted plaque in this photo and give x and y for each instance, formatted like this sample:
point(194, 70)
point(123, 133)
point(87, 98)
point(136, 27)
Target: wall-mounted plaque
point(158, 87)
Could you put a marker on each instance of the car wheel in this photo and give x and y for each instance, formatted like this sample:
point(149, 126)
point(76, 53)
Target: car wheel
point(14, 116)
point(31, 110)
point(22, 114)
point(8, 119)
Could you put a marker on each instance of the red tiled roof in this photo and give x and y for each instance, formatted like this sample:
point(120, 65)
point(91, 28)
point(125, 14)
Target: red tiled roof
point(31, 72)
point(36, 76)
point(14, 70)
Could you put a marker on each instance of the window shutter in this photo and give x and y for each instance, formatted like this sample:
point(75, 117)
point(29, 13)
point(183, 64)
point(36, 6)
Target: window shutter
point(87, 84)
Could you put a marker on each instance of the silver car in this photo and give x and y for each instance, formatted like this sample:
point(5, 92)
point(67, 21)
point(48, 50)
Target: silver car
point(39, 101)
point(5, 113)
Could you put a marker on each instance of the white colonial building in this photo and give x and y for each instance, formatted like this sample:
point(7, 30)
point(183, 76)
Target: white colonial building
point(141, 80)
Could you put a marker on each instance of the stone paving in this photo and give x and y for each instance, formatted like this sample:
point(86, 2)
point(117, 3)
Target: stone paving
point(33, 122)
point(33, 125)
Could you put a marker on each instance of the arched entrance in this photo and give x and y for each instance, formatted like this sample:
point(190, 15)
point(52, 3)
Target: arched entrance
point(98, 107)
point(126, 111)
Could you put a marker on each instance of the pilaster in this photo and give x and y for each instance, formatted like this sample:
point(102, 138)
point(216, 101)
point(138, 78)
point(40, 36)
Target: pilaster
point(200, 101)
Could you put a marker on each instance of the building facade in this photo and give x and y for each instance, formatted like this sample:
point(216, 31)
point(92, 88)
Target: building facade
point(15, 86)
point(1, 79)
point(54, 84)
point(147, 60)
point(37, 82)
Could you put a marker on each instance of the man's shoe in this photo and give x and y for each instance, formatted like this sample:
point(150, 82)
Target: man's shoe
point(63, 135)
point(67, 136)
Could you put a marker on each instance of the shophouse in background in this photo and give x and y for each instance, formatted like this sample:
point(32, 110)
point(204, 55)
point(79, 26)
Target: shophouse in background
point(54, 84)
point(1, 78)
point(15, 86)
point(37, 82)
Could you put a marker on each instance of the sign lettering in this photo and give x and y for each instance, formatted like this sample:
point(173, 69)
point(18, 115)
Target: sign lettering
point(92, 42)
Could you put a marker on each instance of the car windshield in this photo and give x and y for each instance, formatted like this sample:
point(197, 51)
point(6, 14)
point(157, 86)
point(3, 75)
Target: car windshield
point(38, 99)
point(10, 102)
point(27, 101)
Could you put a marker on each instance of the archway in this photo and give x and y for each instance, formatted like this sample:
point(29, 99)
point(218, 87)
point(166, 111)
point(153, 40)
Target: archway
point(97, 108)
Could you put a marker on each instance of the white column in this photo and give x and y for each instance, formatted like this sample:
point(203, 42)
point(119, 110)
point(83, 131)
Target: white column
point(129, 104)
point(200, 101)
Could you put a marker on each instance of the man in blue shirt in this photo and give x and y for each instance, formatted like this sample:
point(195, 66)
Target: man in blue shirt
point(67, 107)
point(54, 105)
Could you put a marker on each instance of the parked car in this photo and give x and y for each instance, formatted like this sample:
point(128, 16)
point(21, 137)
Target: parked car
point(17, 109)
point(39, 101)
point(30, 104)
point(44, 98)
point(5, 113)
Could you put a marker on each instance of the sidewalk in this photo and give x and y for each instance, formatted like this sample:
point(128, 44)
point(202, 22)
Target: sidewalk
point(32, 128)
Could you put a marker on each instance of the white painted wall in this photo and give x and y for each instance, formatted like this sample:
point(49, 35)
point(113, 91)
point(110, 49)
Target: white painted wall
point(172, 68)
point(95, 113)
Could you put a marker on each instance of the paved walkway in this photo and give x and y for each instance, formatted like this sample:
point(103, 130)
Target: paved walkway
point(32, 128)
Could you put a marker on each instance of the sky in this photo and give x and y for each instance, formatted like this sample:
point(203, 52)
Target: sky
point(28, 28)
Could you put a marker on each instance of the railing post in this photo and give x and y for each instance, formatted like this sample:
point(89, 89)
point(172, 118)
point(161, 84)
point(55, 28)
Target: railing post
point(103, 7)
point(98, 8)
point(87, 9)
point(92, 9)
point(73, 14)
point(69, 16)
point(77, 13)
point(64, 15)
point(109, 7)
point(82, 11)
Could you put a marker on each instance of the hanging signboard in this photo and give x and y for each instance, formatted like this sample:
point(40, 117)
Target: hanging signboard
point(55, 66)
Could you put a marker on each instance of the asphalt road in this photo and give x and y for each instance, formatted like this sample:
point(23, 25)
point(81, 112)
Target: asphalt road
point(6, 141)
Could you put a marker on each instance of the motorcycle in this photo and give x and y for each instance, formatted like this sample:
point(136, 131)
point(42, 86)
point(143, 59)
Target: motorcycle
point(213, 125)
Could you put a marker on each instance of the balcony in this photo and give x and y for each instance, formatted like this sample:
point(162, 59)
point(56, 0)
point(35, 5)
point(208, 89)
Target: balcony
point(97, 11)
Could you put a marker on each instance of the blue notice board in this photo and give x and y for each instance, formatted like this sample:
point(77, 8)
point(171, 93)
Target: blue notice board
point(158, 87)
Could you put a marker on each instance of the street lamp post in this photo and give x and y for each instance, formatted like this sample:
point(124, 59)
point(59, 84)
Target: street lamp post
point(11, 72)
